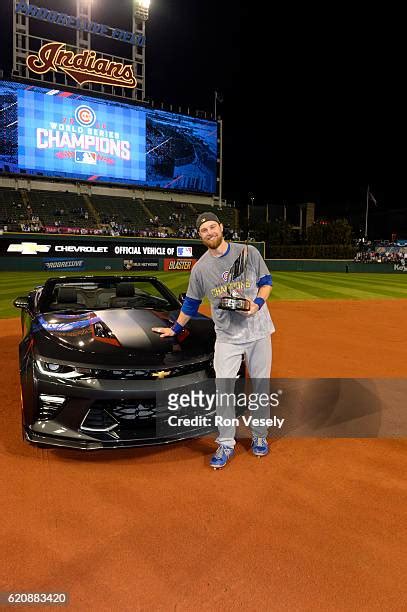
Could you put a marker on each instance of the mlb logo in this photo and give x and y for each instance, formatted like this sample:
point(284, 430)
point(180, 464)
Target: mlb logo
point(184, 251)
point(85, 157)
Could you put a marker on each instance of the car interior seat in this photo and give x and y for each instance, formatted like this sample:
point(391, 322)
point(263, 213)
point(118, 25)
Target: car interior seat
point(103, 297)
point(125, 296)
point(67, 297)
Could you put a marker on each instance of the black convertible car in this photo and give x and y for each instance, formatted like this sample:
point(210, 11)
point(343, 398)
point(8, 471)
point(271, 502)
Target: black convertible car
point(93, 373)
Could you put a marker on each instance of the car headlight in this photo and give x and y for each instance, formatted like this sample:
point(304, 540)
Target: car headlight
point(58, 370)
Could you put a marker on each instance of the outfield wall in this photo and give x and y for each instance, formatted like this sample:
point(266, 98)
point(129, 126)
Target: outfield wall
point(59, 252)
point(62, 253)
point(332, 265)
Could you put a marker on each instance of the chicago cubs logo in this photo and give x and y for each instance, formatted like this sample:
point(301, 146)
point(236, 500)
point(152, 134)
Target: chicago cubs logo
point(85, 115)
point(225, 276)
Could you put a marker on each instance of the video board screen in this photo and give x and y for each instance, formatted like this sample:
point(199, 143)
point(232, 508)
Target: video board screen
point(54, 133)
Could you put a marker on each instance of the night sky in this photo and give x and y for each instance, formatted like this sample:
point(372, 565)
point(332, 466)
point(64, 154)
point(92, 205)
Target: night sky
point(314, 101)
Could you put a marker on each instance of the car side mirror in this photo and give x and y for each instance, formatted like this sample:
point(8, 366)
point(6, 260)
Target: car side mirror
point(182, 297)
point(21, 302)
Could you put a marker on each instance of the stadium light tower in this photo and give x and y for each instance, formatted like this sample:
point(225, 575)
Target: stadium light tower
point(83, 11)
point(141, 8)
point(140, 16)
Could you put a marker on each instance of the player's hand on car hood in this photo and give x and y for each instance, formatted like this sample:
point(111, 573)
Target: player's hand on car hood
point(165, 332)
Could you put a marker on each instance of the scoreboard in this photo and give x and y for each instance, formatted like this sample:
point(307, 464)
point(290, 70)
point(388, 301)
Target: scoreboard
point(49, 132)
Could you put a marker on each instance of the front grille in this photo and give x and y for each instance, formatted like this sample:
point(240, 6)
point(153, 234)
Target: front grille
point(108, 415)
point(144, 374)
point(129, 411)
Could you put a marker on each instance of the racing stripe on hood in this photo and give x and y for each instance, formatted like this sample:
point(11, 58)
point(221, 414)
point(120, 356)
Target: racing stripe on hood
point(132, 327)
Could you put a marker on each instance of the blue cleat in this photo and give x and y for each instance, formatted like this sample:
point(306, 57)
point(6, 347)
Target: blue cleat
point(260, 447)
point(221, 457)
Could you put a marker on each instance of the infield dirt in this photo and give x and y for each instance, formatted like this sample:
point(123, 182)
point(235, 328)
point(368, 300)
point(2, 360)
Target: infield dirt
point(317, 525)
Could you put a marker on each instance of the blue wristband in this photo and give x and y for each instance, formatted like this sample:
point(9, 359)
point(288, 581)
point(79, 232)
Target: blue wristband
point(259, 301)
point(177, 328)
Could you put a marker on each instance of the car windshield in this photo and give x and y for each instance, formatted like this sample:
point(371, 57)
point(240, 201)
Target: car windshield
point(105, 294)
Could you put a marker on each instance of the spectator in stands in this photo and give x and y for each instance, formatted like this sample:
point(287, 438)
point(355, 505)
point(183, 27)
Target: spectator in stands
point(381, 252)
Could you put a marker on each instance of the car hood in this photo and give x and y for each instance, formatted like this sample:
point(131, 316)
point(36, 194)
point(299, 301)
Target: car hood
point(121, 337)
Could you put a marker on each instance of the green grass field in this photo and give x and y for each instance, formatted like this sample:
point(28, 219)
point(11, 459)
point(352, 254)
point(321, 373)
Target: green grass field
point(287, 286)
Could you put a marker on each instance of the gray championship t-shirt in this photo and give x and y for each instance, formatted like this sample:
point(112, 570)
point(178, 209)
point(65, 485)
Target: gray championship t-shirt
point(211, 277)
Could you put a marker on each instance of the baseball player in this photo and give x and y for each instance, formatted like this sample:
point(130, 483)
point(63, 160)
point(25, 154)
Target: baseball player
point(237, 333)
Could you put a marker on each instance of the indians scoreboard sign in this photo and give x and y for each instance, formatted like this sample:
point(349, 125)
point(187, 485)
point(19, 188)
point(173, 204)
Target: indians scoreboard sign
point(82, 67)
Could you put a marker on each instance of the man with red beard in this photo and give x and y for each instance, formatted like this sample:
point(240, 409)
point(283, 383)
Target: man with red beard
point(238, 333)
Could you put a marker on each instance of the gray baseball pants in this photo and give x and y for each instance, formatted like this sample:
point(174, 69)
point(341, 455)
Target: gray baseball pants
point(227, 360)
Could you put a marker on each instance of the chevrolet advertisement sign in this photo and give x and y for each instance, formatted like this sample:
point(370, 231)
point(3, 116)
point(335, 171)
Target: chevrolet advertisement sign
point(131, 249)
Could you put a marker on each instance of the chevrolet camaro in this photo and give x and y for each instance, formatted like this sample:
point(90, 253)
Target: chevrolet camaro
point(93, 373)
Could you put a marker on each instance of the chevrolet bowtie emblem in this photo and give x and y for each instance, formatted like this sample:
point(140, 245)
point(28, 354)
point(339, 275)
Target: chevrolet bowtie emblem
point(28, 248)
point(161, 374)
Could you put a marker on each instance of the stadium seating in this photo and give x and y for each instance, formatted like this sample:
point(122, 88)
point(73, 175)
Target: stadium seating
point(12, 209)
point(170, 214)
point(228, 216)
point(186, 214)
point(35, 210)
point(63, 207)
point(122, 211)
point(382, 252)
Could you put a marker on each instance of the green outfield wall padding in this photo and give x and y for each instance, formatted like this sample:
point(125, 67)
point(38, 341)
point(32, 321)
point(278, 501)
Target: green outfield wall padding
point(307, 265)
point(338, 265)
